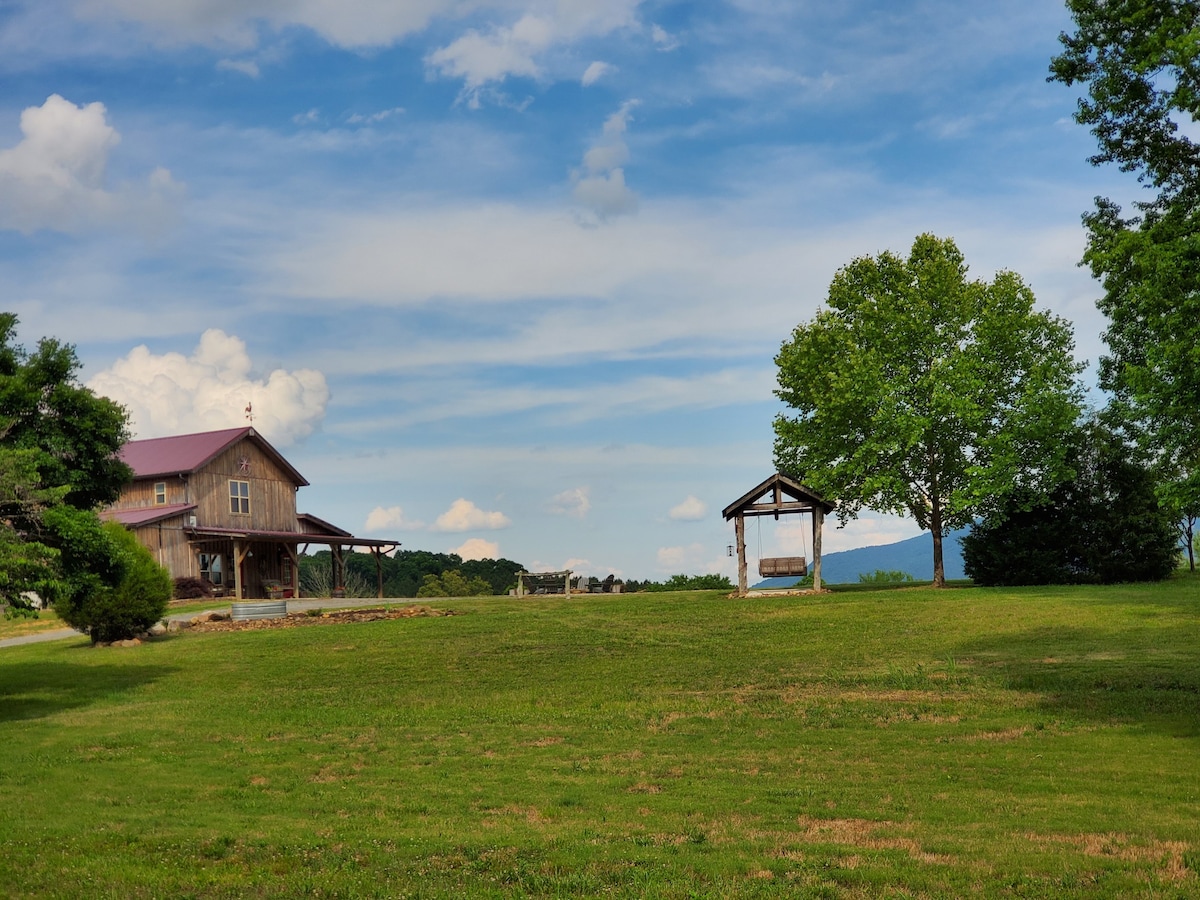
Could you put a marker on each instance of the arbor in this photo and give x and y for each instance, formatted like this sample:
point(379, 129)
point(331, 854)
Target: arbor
point(921, 393)
point(1105, 525)
point(1139, 61)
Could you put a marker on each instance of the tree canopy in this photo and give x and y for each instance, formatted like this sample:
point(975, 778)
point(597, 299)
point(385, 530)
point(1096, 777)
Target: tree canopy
point(58, 461)
point(1139, 61)
point(922, 393)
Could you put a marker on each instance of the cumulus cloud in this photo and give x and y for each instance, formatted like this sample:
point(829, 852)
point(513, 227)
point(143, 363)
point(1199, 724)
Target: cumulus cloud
point(376, 117)
point(463, 515)
point(574, 502)
point(381, 519)
point(690, 510)
point(210, 389)
point(54, 178)
point(600, 184)
point(478, 548)
point(595, 72)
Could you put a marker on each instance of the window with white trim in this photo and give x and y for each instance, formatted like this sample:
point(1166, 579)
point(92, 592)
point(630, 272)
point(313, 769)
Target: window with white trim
point(239, 497)
point(210, 568)
point(160, 493)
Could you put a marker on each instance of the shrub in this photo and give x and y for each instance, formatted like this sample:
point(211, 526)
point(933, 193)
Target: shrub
point(881, 576)
point(189, 587)
point(1104, 526)
point(138, 599)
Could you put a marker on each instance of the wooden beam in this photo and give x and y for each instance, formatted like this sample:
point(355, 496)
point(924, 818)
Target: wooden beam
point(818, 527)
point(739, 525)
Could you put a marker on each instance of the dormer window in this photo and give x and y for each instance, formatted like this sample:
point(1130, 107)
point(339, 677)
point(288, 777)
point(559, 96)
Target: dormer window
point(239, 498)
point(160, 493)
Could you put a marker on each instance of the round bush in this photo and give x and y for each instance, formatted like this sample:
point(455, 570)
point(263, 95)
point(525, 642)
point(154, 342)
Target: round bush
point(124, 610)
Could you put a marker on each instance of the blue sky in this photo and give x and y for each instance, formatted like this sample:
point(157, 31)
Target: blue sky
point(504, 276)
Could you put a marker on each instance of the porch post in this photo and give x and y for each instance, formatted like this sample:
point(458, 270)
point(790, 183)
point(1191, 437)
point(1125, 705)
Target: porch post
point(240, 549)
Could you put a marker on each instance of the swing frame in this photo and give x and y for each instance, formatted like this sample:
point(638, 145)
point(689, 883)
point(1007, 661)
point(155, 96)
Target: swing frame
point(778, 495)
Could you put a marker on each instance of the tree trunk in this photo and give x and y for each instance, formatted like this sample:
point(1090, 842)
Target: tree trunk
point(935, 526)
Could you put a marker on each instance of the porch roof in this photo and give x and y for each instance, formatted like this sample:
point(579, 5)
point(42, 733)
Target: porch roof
point(200, 533)
point(145, 515)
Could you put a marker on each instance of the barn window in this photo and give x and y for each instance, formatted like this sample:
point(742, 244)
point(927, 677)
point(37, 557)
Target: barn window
point(160, 493)
point(239, 497)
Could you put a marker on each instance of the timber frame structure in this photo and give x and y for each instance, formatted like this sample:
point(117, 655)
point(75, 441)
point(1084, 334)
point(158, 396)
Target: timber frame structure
point(768, 499)
point(221, 506)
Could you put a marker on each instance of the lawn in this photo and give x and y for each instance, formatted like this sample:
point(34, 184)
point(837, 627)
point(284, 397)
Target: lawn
point(908, 743)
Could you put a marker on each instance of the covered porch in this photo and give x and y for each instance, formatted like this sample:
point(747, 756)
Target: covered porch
point(253, 565)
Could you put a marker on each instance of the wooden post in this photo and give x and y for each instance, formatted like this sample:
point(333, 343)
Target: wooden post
point(240, 551)
point(818, 523)
point(375, 551)
point(739, 525)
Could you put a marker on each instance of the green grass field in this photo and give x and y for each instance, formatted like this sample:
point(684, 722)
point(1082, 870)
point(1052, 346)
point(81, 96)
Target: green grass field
point(906, 743)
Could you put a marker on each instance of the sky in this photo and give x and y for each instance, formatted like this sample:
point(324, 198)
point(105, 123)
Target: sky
point(508, 277)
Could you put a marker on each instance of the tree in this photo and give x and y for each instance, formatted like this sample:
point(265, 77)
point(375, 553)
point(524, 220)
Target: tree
point(59, 446)
point(76, 434)
point(921, 393)
point(1103, 526)
point(130, 600)
point(1139, 61)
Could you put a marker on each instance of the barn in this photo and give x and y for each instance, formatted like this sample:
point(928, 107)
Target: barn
point(221, 505)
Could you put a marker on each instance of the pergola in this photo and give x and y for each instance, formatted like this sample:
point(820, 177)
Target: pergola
point(778, 495)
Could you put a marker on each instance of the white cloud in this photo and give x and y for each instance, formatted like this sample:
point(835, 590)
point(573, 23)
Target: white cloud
point(666, 42)
point(693, 559)
point(501, 51)
point(870, 529)
point(381, 519)
point(54, 178)
point(574, 502)
point(690, 510)
point(374, 118)
point(463, 515)
point(595, 72)
point(177, 394)
point(307, 118)
point(246, 67)
point(600, 185)
point(478, 548)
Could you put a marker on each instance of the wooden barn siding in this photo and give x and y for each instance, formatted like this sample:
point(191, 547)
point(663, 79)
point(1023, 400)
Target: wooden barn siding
point(170, 547)
point(272, 493)
point(141, 493)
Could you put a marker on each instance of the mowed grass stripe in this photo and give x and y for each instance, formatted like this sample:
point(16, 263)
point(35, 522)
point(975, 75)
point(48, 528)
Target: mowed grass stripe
point(1040, 742)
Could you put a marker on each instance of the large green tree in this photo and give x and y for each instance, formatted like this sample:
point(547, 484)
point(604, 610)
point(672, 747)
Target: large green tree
point(1139, 63)
point(59, 445)
point(922, 393)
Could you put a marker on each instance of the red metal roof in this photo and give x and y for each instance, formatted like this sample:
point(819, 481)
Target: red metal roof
point(185, 453)
point(145, 515)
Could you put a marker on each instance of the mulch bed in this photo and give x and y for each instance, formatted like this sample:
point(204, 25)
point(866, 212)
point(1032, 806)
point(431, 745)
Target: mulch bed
point(332, 617)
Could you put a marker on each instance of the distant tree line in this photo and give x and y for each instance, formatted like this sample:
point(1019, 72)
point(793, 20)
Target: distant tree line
point(409, 571)
point(682, 583)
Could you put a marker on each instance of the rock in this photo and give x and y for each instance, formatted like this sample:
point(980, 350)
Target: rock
point(156, 629)
point(175, 625)
point(208, 617)
point(132, 642)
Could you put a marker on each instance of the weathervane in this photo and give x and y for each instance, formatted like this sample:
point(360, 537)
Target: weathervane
point(250, 412)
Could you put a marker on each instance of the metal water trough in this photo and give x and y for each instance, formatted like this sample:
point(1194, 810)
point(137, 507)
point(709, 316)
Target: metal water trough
point(259, 609)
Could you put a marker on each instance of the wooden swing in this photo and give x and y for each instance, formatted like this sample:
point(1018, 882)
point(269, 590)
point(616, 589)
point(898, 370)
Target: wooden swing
point(780, 566)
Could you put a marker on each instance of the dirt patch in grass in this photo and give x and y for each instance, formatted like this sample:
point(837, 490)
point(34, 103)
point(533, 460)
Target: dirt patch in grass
point(1167, 857)
point(862, 833)
point(333, 617)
